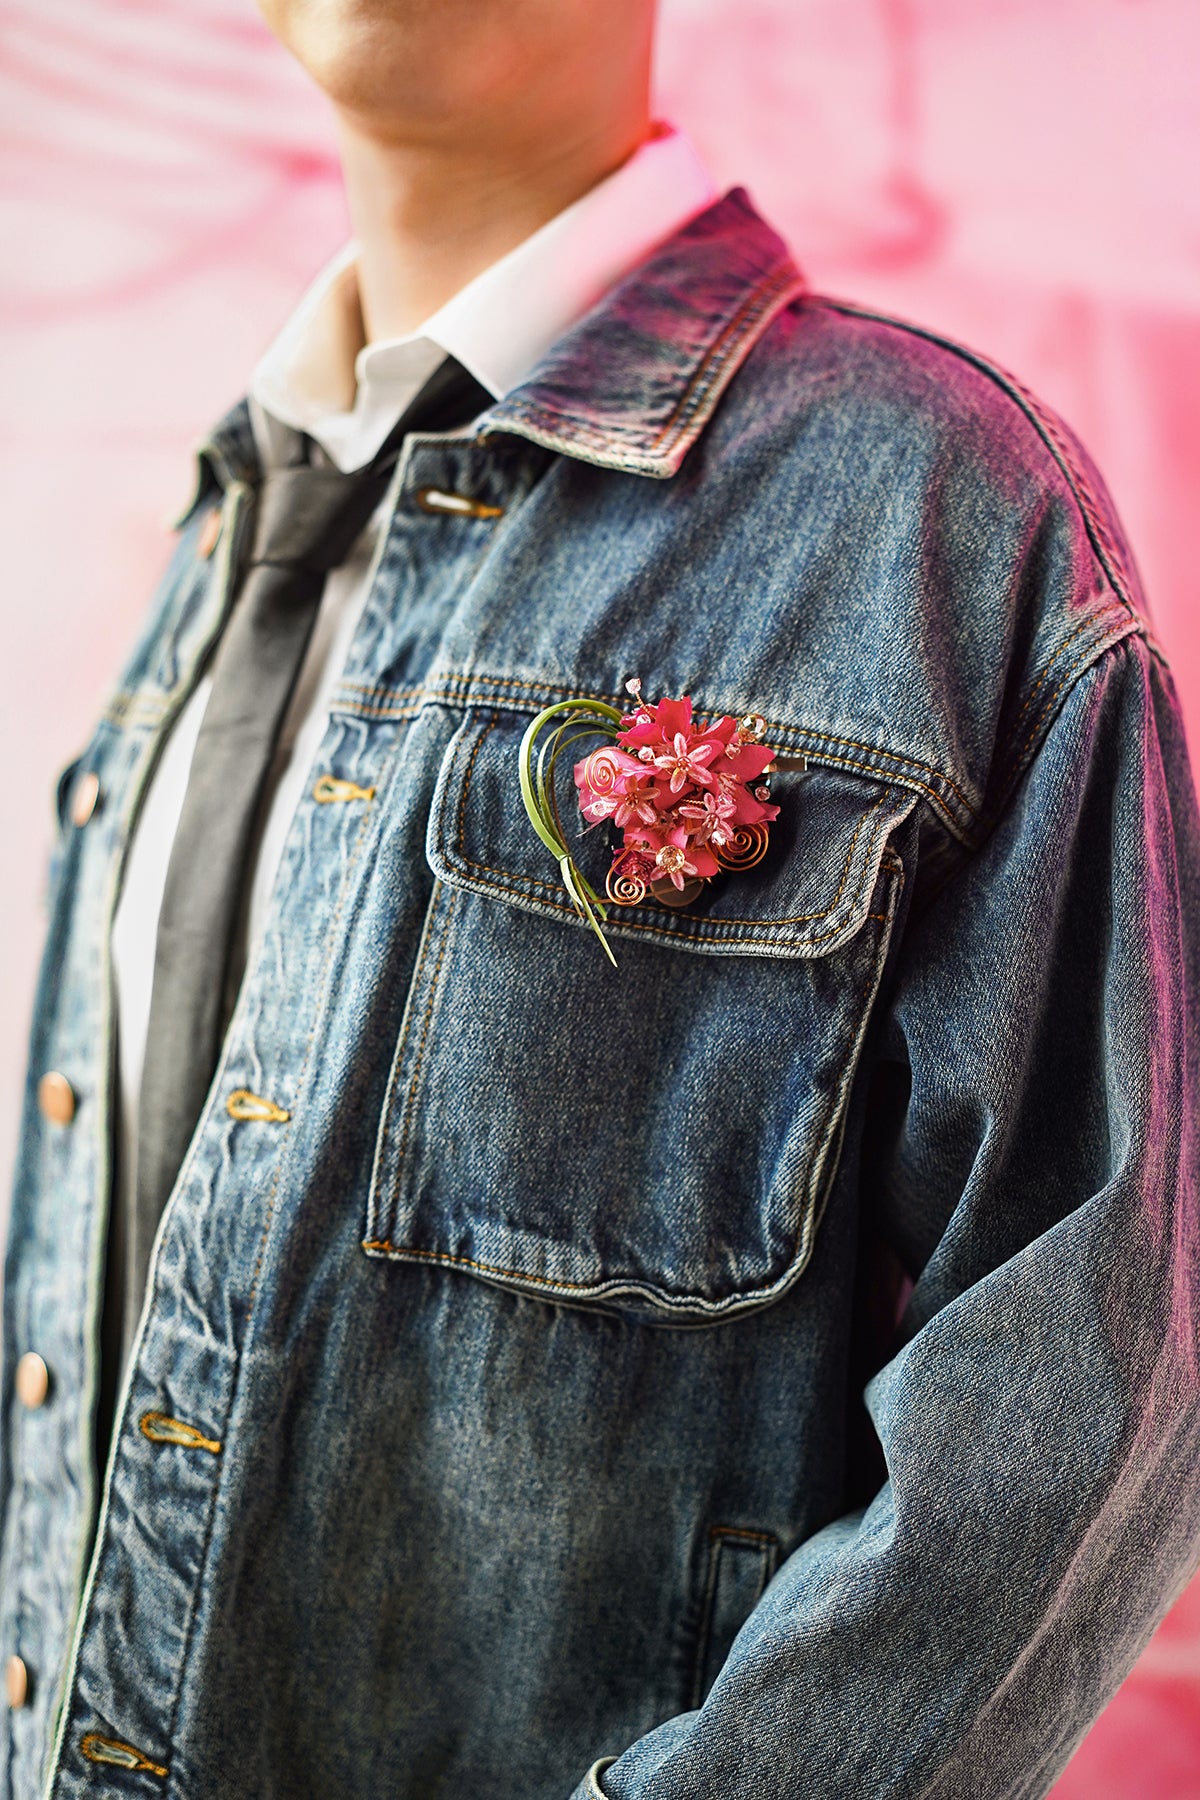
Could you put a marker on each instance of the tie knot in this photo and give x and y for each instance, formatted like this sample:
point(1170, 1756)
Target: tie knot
point(308, 517)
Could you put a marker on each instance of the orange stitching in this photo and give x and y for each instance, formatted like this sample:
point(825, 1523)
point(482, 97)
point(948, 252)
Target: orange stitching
point(470, 689)
point(731, 337)
point(1083, 625)
point(122, 1756)
point(160, 1428)
point(636, 925)
point(1092, 653)
point(398, 1058)
point(690, 937)
point(242, 1104)
point(420, 1050)
point(479, 681)
point(808, 732)
point(849, 762)
point(912, 762)
point(811, 1212)
point(693, 937)
point(360, 710)
point(473, 684)
point(712, 936)
point(1092, 620)
point(549, 687)
point(466, 786)
point(468, 1262)
point(1126, 629)
point(767, 1545)
point(740, 1531)
point(359, 687)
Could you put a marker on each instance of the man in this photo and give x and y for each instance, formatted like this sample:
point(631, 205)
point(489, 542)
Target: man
point(493, 1377)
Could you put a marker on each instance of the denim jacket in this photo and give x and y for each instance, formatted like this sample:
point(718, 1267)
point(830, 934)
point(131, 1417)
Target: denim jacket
point(766, 1368)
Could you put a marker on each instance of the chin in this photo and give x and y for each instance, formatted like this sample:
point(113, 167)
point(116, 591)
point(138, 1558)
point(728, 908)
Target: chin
point(400, 57)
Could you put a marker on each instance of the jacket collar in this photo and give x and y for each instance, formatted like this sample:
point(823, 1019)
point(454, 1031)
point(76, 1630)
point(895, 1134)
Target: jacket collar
point(632, 385)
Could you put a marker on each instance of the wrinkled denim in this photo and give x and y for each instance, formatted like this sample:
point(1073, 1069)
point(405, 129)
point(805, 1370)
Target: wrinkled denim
point(768, 1368)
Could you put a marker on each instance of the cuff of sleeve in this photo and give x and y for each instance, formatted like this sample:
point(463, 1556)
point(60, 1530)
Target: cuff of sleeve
point(589, 1788)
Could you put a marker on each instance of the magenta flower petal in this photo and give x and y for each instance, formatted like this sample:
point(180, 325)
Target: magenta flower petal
point(674, 716)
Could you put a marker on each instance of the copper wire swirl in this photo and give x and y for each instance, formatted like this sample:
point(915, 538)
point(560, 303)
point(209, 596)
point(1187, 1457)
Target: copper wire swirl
point(622, 889)
point(749, 846)
point(601, 770)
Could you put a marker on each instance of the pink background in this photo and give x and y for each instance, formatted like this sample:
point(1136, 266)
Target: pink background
point(1022, 174)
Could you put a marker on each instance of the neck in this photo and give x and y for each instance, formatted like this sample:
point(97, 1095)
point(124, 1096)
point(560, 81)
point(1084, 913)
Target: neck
point(430, 217)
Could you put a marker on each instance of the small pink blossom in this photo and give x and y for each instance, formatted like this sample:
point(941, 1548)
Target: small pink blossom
point(685, 762)
point(710, 816)
point(682, 862)
point(637, 801)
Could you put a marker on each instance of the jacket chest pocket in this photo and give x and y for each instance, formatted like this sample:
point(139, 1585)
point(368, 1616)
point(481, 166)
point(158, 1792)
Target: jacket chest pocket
point(659, 1137)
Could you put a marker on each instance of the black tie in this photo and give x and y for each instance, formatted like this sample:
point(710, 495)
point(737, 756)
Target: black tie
point(307, 518)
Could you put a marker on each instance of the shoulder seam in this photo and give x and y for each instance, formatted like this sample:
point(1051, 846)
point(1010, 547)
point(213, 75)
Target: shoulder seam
point(1120, 630)
point(1107, 551)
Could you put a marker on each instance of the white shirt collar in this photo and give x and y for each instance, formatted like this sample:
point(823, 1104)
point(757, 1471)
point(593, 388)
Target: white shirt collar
point(499, 325)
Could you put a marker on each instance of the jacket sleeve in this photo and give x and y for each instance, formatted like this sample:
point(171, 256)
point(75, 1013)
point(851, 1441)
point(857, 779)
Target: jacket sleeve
point(1039, 1423)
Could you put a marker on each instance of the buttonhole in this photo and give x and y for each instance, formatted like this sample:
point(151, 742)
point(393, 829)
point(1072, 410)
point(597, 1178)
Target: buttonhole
point(160, 1428)
point(328, 787)
point(242, 1104)
point(438, 500)
point(111, 1750)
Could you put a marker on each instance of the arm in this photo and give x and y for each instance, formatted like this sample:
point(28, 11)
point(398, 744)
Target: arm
point(1040, 1426)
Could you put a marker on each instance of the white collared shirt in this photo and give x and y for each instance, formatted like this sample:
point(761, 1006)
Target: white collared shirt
point(498, 326)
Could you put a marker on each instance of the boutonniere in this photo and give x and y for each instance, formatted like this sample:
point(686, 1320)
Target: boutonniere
point(683, 802)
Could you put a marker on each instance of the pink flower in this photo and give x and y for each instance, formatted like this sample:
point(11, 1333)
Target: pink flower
point(637, 801)
point(685, 760)
point(672, 861)
point(657, 724)
point(711, 816)
point(747, 761)
point(680, 859)
point(650, 838)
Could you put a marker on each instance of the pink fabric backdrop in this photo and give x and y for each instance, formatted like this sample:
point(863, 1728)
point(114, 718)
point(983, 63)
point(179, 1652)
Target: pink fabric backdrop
point(1019, 173)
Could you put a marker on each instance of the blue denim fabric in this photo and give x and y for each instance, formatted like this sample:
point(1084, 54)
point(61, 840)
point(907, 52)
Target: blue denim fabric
point(553, 1414)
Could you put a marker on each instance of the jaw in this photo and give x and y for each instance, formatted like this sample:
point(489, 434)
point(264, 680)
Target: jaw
point(428, 71)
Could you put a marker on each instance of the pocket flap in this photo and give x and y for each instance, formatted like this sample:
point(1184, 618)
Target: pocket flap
point(807, 897)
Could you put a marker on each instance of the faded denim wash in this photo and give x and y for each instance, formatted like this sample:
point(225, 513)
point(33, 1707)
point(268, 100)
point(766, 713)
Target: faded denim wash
point(544, 1428)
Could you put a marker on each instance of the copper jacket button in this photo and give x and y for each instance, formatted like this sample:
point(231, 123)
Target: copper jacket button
point(84, 798)
point(56, 1097)
point(16, 1682)
point(33, 1380)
